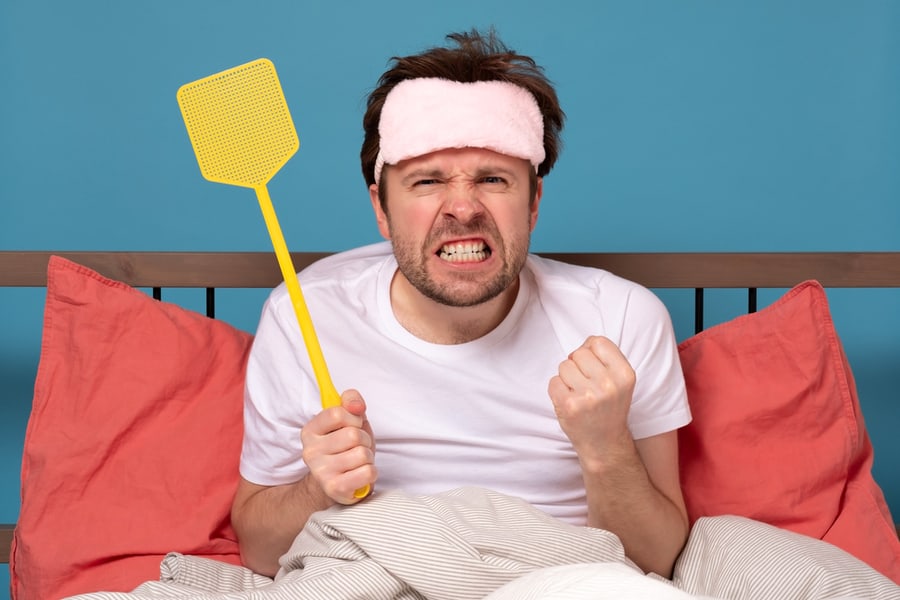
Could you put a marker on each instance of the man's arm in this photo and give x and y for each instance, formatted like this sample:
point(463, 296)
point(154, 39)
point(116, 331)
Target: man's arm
point(632, 488)
point(636, 493)
point(267, 519)
point(339, 450)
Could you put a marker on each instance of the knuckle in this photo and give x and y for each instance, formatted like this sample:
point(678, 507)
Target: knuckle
point(360, 455)
point(595, 341)
point(356, 436)
point(606, 388)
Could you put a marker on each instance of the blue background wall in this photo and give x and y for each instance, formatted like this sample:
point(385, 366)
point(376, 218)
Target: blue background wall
point(692, 125)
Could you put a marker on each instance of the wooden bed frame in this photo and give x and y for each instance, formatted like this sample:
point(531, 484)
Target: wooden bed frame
point(698, 271)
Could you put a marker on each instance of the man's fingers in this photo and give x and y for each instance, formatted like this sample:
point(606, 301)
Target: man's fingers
point(571, 375)
point(598, 359)
point(350, 482)
point(606, 352)
point(335, 418)
point(352, 401)
point(339, 449)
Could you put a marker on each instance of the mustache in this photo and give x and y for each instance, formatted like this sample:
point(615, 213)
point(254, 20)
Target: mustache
point(449, 227)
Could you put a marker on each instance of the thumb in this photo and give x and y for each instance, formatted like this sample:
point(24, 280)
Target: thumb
point(353, 402)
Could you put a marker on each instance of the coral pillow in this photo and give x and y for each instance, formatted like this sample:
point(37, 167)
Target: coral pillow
point(133, 443)
point(778, 434)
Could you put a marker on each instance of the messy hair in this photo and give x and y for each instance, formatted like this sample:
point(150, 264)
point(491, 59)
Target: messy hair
point(475, 57)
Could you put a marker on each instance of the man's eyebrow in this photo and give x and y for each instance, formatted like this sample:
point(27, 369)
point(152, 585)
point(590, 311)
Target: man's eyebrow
point(422, 173)
point(493, 170)
point(427, 172)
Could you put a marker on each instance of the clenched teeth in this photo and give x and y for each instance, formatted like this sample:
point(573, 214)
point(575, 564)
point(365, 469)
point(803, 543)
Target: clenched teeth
point(464, 252)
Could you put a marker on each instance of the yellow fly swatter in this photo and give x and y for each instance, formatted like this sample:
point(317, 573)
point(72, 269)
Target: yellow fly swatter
point(242, 133)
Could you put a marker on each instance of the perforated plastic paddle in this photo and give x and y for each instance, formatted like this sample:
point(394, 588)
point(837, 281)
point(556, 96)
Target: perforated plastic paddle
point(242, 133)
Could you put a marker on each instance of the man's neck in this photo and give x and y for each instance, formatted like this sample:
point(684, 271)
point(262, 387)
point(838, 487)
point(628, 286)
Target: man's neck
point(438, 323)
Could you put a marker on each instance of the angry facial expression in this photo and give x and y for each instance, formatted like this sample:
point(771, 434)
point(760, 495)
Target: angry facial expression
point(460, 222)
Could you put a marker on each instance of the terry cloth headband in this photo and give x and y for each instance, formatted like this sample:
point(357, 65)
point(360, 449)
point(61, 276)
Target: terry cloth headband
point(427, 114)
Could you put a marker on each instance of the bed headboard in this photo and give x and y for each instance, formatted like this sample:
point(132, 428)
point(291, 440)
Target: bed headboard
point(652, 269)
point(662, 270)
point(697, 271)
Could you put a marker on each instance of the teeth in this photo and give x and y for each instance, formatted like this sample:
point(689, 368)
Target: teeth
point(464, 252)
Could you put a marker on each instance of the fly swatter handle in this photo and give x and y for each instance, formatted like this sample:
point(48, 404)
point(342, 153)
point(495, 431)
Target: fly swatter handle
point(330, 396)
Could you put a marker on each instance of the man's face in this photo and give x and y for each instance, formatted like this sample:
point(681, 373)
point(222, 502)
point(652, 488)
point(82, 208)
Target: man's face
point(460, 222)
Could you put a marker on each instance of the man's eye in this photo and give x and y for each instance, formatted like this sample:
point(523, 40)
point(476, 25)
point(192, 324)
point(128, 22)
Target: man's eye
point(426, 182)
point(493, 179)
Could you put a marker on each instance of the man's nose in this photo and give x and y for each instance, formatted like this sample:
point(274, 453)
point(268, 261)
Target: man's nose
point(462, 202)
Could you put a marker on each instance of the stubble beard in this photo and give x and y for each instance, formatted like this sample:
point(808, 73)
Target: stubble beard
point(468, 289)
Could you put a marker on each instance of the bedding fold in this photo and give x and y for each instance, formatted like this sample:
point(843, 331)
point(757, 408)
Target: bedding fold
point(472, 543)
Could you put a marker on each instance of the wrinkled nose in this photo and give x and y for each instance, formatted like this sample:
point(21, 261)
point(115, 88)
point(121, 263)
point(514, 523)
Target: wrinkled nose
point(462, 203)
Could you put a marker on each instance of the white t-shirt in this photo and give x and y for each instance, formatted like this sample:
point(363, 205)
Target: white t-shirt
point(446, 416)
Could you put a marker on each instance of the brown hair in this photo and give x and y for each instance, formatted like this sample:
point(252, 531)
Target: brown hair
point(476, 57)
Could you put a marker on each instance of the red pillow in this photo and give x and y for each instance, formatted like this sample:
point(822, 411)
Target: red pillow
point(133, 443)
point(778, 435)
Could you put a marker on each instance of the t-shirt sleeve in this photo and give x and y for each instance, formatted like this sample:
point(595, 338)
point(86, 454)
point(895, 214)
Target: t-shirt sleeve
point(648, 342)
point(581, 301)
point(279, 398)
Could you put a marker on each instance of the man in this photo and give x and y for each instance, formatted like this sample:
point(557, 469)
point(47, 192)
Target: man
point(464, 360)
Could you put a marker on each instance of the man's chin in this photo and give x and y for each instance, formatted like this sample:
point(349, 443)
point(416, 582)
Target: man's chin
point(465, 296)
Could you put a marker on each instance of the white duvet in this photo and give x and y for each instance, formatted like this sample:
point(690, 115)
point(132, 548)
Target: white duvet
point(472, 543)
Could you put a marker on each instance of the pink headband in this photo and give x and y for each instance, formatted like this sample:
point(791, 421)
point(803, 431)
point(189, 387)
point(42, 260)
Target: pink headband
point(428, 114)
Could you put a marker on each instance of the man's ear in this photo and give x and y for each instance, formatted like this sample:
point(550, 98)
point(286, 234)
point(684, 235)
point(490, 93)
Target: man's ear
point(380, 216)
point(538, 194)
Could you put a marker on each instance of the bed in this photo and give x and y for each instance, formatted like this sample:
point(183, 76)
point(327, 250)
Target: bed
point(127, 389)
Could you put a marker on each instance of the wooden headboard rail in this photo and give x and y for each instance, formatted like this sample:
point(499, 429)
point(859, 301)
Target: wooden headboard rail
point(697, 270)
point(652, 269)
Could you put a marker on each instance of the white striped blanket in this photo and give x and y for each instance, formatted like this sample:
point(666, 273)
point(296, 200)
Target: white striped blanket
point(472, 543)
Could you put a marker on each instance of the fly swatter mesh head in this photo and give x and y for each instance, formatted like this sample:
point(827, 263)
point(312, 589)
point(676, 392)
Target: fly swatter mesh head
point(239, 124)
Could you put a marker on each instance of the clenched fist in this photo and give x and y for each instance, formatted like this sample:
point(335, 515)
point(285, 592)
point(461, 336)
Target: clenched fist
point(592, 396)
point(339, 449)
